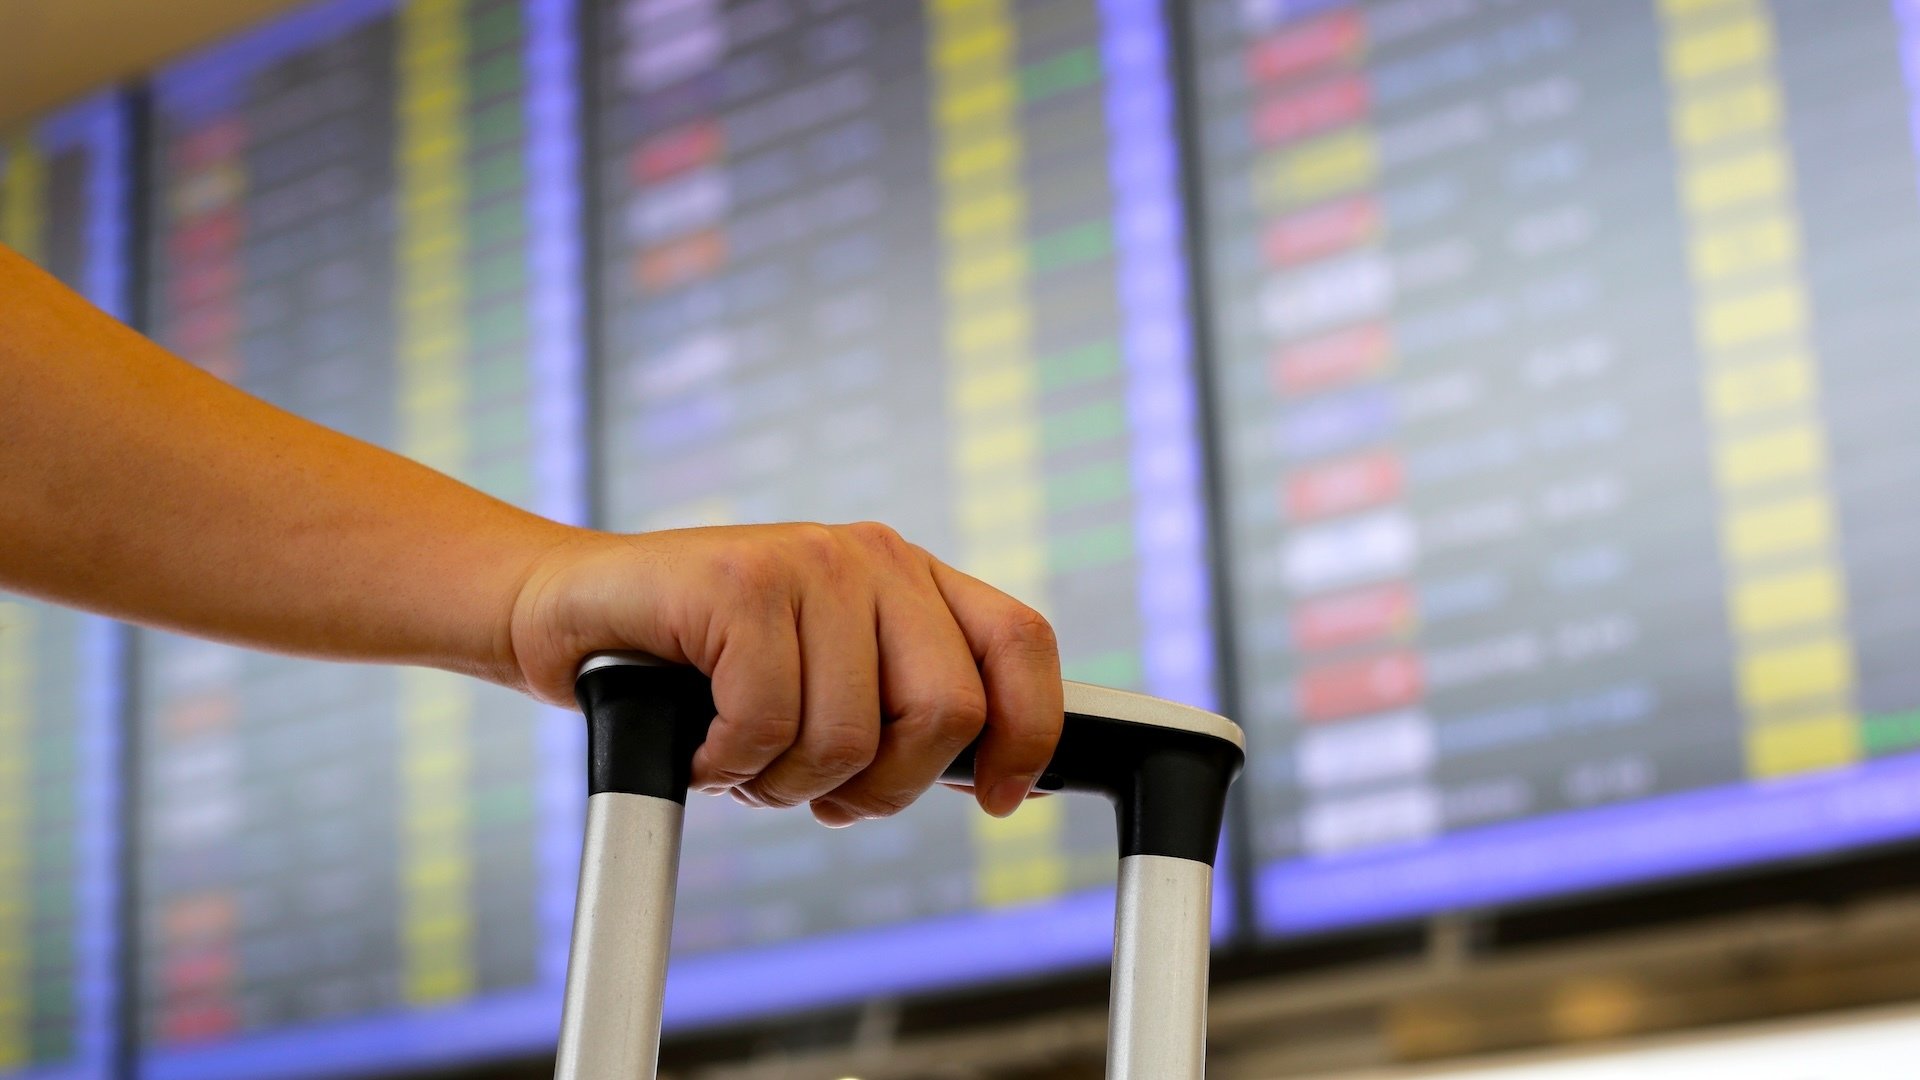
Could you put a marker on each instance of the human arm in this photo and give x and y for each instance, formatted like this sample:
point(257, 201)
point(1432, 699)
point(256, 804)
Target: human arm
point(135, 485)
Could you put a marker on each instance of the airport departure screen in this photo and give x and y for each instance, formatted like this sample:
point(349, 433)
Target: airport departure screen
point(63, 199)
point(921, 263)
point(364, 213)
point(1566, 383)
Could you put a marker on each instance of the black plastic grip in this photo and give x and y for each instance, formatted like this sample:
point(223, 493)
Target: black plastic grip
point(1168, 786)
point(644, 723)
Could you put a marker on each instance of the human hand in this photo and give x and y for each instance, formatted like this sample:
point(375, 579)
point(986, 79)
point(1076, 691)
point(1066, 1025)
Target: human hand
point(849, 667)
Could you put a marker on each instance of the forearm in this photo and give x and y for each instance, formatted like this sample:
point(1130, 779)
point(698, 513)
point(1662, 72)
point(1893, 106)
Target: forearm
point(135, 485)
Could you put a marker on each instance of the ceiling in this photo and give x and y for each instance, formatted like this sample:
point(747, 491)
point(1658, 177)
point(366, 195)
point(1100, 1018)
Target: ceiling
point(52, 51)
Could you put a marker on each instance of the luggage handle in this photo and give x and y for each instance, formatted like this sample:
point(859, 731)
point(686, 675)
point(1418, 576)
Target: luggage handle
point(1165, 767)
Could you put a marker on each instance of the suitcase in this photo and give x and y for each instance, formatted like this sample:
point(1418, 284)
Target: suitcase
point(1165, 767)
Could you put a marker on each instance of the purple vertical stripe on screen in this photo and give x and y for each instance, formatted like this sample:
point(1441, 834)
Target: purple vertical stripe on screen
point(96, 944)
point(559, 423)
point(107, 270)
point(1907, 13)
point(1169, 523)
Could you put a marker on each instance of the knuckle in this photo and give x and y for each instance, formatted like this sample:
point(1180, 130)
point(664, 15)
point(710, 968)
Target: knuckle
point(956, 716)
point(845, 752)
point(817, 543)
point(879, 537)
point(768, 734)
point(774, 736)
point(1027, 630)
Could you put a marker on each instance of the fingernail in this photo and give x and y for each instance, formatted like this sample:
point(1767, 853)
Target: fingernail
point(833, 815)
point(1008, 794)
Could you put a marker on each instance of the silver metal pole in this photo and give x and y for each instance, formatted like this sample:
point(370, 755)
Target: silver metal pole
point(622, 923)
point(1162, 933)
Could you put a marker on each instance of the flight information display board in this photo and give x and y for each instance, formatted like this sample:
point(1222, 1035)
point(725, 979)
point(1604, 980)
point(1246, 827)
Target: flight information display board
point(916, 262)
point(366, 213)
point(1565, 395)
point(63, 200)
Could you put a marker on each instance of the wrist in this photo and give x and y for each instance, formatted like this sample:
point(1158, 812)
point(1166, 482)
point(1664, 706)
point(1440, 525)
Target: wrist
point(539, 548)
point(541, 635)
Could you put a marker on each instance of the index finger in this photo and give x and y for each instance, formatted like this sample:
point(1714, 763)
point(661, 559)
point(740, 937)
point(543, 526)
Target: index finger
point(756, 694)
point(1020, 669)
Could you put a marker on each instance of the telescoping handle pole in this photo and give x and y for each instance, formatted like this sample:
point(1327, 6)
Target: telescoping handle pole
point(1166, 768)
point(644, 722)
point(1157, 1026)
